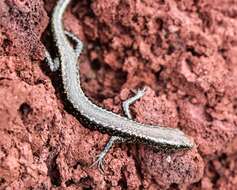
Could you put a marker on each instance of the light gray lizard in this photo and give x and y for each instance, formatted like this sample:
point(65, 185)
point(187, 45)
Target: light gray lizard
point(121, 128)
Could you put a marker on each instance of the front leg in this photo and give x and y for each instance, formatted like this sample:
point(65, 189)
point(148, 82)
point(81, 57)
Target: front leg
point(114, 139)
point(55, 63)
point(52, 63)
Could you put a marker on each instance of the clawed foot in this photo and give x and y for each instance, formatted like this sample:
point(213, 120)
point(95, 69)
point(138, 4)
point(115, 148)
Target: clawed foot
point(99, 163)
point(100, 158)
point(140, 91)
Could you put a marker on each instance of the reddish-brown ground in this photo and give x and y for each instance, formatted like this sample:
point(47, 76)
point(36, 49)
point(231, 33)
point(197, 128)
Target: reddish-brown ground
point(184, 50)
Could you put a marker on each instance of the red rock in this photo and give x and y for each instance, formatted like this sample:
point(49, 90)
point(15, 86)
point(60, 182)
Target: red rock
point(185, 51)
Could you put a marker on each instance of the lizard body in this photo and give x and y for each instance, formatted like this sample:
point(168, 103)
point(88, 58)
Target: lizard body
point(93, 115)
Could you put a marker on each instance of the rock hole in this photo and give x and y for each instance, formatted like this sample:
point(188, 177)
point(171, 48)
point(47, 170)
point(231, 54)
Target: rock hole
point(193, 51)
point(6, 43)
point(69, 182)
point(158, 73)
point(171, 49)
point(25, 110)
point(174, 186)
point(123, 182)
point(96, 65)
point(2, 180)
point(53, 172)
point(86, 182)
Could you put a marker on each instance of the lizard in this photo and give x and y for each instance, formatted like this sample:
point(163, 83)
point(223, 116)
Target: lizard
point(121, 128)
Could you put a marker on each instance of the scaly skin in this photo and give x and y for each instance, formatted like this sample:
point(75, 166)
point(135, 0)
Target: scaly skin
point(91, 114)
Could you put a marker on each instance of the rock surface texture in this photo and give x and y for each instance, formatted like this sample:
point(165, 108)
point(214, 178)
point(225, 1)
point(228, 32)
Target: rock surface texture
point(185, 51)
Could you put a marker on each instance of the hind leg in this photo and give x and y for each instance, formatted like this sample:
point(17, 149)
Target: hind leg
point(115, 139)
